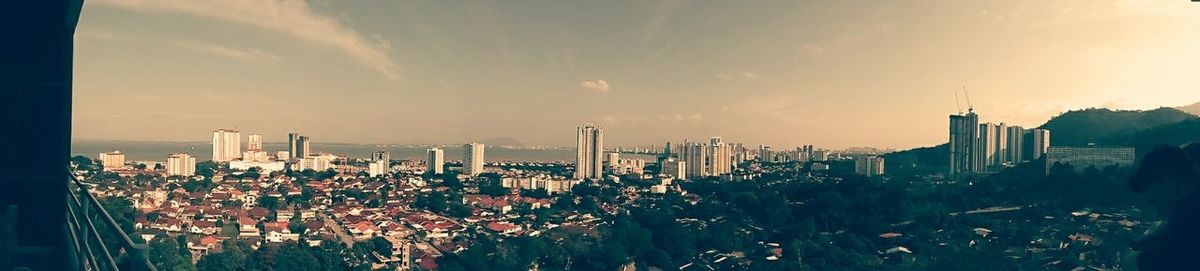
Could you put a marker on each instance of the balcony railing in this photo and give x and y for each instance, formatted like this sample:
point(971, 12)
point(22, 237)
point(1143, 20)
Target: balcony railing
point(88, 245)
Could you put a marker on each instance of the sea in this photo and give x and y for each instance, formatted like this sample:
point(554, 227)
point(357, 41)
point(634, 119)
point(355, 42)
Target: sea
point(158, 151)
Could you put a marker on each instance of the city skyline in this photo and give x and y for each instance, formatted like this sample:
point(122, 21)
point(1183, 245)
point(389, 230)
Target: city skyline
point(781, 74)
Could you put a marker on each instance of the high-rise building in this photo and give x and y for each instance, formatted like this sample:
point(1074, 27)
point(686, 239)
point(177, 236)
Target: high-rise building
point(112, 160)
point(473, 158)
point(720, 160)
point(765, 155)
point(1001, 156)
point(1039, 142)
point(868, 165)
point(1016, 145)
point(381, 155)
point(435, 161)
point(985, 147)
point(303, 147)
point(293, 148)
point(377, 168)
point(254, 142)
point(589, 152)
point(181, 164)
point(964, 133)
point(694, 156)
point(674, 168)
point(227, 145)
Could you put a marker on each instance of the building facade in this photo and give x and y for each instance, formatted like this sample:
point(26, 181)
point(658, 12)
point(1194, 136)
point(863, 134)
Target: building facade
point(473, 158)
point(112, 160)
point(589, 152)
point(964, 133)
point(227, 145)
point(181, 164)
point(869, 166)
point(435, 161)
point(1082, 158)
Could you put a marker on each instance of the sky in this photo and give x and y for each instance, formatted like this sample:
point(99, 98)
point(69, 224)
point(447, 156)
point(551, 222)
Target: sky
point(835, 74)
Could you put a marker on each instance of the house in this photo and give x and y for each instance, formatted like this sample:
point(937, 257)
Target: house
point(503, 227)
point(204, 227)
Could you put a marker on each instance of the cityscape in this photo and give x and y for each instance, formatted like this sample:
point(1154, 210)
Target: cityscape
point(315, 135)
point(424, 214)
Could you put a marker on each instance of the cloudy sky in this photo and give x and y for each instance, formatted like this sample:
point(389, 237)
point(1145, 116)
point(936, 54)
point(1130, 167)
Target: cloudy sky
point(784, 73)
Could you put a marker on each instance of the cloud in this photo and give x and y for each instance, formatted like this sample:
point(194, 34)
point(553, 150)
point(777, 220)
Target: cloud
point(290, 17)
point(751, 76)
point(231, 53)
point(724, 76)
point(811, 49)
point(595, 85)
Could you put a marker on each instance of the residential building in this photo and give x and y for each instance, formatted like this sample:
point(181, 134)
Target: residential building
point(435, 162)
point(112, 160)
point(473, 158)
point(720, 157)
point(589, 150)
point(964, 130)
point(868, 165)
point(1016, 145)
point(254, 142)
point(1082, 158)
point(181, 164)
point(694, 155)
point(381, 155)
point(1039, 143)
point(674, 168)
point(226, 144)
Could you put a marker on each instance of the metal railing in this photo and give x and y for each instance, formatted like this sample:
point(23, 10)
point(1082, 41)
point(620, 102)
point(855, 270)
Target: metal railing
point(89, 247)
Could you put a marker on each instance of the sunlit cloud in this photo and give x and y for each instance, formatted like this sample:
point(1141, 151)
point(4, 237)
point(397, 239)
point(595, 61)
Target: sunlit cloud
point(254, 55)
point(595, 85)
point(290, 17)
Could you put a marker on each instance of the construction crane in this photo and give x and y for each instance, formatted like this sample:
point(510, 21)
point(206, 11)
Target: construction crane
point(970, 108)
point(956, 104)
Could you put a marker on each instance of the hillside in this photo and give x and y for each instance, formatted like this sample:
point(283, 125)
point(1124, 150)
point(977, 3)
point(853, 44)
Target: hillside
point(1141, 129)
point(1193, 109)
point(1080, 127)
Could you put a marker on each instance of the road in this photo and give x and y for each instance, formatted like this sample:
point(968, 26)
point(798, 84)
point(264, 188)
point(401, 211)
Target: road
point(338, 230)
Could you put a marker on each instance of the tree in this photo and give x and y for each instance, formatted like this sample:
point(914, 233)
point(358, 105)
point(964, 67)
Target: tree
point(164, 253)
point(291, 256)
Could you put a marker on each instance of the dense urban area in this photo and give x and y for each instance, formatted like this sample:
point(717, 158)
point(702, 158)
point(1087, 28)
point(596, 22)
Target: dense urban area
point(993, 198)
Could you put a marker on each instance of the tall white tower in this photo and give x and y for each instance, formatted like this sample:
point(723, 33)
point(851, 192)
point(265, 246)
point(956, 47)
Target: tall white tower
point(435, 161)
point(589, 152)
point(473, 158)
point(227, 145)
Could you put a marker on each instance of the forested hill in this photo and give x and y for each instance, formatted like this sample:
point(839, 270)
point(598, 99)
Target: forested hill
point(1095, 125)
point(1143, 129)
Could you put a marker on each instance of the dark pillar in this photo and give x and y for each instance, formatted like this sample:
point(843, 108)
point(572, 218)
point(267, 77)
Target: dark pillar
point(36, 41)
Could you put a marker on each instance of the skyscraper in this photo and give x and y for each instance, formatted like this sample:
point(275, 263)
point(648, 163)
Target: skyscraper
point(1039, 143)
point(589, 152)
point(1016, 145)
point(381, 155)
point(302, 147)
point(254, 142)
point(473, 158)
point(435, 161)
point(693, 155)
point(227, 145)
point(293, 138)
point(181, 164)
point(964, 130)
point(868, 165)
point(1001, 145)
point(720, 160)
